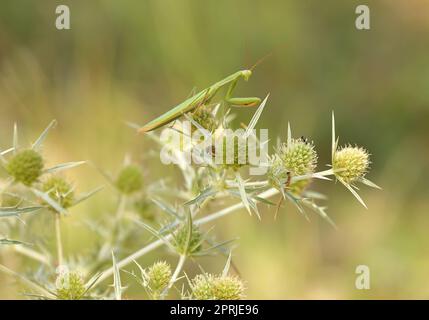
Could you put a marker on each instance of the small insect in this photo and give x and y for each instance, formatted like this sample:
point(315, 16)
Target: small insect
point(289, 177)
point(304, 139)
point(204, 97)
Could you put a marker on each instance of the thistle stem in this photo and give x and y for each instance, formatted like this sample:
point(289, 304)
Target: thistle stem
point(176, 273)
point(121, 207)
point(118, 216)
point(58, 238)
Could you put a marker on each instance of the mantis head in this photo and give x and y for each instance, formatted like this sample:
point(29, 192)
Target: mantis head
point(246, 74)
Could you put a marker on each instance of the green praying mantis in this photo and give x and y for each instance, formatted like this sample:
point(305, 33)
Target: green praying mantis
point(203, 97)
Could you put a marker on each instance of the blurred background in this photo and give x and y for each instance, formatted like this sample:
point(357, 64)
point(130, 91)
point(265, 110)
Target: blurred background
point(132, 60)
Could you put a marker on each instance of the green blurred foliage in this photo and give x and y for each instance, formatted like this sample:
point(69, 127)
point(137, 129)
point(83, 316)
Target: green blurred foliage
point(131, 60)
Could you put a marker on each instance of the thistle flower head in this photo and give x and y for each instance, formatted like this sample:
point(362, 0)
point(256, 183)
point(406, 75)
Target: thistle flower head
point(59, 190)
point(143, 208)
point(70, 286)
point(298, 157)
point(233, 151)
point(212, 287)
point(129, 180)
point(350, 163)
point(187, 242)
point(158, 276)
point(26, 166)
point(204, 117)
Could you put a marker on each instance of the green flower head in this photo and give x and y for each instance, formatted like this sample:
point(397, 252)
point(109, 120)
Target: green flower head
point(294, 159)
point(299, 157)
point(129, 180)
point(26, 166)
point(350, 163)
point(70, 286)
point(60, 191)
point(211, 287)
point(158, 276)
point(143, 207)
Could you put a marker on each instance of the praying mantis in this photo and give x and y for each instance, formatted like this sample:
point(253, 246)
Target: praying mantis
point(203, 97)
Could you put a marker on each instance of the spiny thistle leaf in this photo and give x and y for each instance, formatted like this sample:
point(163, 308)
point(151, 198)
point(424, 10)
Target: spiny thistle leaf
point(15, 211)
point(38, 143)
point(350, 188)
point(319, 210)
point(87, 195)
point(242, 191)
point(227, 265)
point(5, 241)
point(255, 118)
point(369, 183)
point(116, 279)
point(5, 152)
point(15, 137)
point(64, 166)
point(166, 208)
point(203, 195)
point(44, 196)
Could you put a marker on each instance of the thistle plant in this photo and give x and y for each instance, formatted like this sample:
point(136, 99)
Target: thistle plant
point(295, 158)
point(154, 279)
point(60, 191)
point(129, 180)
point(153, 213)
point(25, 166)
point(143, 207)
point(158, 276)
point(187, 240)
point(70, 286)
point(213, 287)
point(36, 189)
point(205, 117)
point(350, 165)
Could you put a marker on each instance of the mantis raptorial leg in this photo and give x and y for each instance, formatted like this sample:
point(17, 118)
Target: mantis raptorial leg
point(240, 102)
